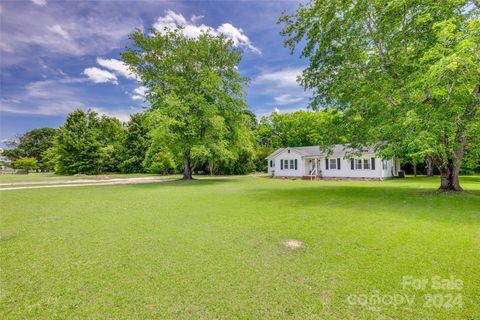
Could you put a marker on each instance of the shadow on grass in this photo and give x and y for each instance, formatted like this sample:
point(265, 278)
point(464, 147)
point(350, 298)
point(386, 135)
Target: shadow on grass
point(203, 181)
point(377, 198)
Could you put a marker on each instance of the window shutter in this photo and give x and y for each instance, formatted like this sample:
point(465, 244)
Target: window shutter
point(326, 163)
point(373, 164)
point(281, 164)
point(352, 164)
point(338, 163)
point(295, 164)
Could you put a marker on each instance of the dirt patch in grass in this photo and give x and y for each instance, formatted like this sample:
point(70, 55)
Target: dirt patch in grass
point(293, 244)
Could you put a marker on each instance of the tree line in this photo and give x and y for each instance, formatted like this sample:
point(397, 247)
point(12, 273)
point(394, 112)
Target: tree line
point(89, 143)
point(402, 72)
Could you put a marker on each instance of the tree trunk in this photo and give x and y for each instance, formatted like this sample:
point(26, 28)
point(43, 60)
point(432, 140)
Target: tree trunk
point(449, 178)
point(450, 171)
point(211, 167)
point(414, 169)
point(187, 170)
point(429, 167)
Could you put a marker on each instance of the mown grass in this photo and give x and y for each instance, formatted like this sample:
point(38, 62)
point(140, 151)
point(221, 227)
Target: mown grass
point(213, 249)
point(52, 177)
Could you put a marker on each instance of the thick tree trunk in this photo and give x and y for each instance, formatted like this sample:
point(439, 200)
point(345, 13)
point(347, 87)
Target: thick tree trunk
point(187, 170)
point(450, 171)
point(449, 178)
point(429, 166)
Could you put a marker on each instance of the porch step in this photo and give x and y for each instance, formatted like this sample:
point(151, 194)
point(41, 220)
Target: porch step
point(310, 178)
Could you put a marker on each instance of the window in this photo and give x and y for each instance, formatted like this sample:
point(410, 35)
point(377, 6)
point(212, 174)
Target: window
point(285, 164)
point(366, 164)
point(358, 164)
point(271, 164)
point(292, 164)
point(333, 164)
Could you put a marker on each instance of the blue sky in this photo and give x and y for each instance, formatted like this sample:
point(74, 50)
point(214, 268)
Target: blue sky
point(56, 56)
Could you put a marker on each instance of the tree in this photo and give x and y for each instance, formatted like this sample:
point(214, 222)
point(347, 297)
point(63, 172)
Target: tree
point(194, 90)
point(301, 128)
point(381, 62)
point(31, 144)
point(26, 163)
point(135, 144)
point(88, 144)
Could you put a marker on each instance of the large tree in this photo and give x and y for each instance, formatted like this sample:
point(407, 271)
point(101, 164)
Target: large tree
point(301, 128)
point(135, 144)
point(397, 69)
point(87, 143)
point(195, 91)
point(31, 144)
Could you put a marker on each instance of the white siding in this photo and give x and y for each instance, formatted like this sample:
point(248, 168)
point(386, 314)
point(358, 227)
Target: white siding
point(285, 155)
point(346, 171)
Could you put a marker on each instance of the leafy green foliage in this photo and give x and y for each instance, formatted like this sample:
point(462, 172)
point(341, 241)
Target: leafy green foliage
point(31, 144)
point(195, 93)
point(135, 144)
point(26, 163)
point(405, 72)
point(88, 144)
point(301, 128)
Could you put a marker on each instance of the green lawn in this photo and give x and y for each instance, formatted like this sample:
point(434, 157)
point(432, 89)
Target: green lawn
point(214, 249)
point(49, 177)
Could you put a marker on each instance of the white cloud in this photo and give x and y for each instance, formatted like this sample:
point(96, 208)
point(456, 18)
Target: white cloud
point(100, 76)
point(121, 114)
point(46, 97)
point(279, 88)
point(60, 31)
point(40, 2)
point(139, 93)
point(58, 98)
point(195, 18)
point(137, 97)
point(117, 67)
point(276, 110)
point(236, 34)
point(173, 20)
point(284, 78)
point(287, 99)
point(142, 91)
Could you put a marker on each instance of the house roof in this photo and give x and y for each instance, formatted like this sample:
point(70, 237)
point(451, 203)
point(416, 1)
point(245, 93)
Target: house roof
point(337, 150)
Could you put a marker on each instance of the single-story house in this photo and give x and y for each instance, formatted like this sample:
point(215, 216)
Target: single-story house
point(338, 162)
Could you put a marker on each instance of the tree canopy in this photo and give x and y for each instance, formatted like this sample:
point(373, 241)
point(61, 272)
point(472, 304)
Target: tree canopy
point(32, 143)
point(88, 143)
point(406, 72)
point(196, 94)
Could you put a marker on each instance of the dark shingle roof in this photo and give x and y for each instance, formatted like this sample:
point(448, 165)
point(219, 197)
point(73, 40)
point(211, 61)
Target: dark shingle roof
point(338, 150)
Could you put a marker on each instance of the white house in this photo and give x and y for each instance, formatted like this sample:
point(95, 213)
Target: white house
point(340, 162)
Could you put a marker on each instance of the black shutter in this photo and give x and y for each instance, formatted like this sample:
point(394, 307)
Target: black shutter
point(373, 163)
point(295, 164)
point(326, 163)
point(338, 163)
point(352, 164)
point(281, 164)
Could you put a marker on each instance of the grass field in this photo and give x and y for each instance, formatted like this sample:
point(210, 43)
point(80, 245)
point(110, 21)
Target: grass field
point(214, 249)
point(48, 177)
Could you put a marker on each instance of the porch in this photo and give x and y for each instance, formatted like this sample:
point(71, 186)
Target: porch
point(311, 167)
